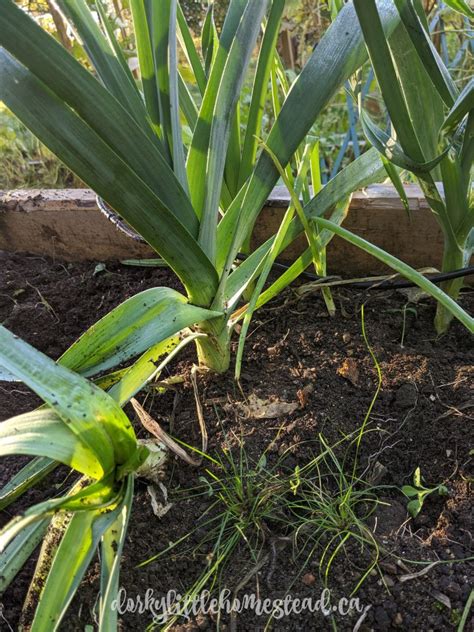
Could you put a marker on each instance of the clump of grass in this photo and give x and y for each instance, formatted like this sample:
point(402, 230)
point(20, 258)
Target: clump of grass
point(315, 512)
point(330, 510)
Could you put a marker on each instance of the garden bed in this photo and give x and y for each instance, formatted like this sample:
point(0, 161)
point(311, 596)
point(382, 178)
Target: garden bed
point(295, 354)
point(67, 224)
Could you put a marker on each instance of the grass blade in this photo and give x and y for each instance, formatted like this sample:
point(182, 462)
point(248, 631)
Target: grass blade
point(402, 268)
point(338, 55)
point(392, 151)
point(462, 7)
point(396, 180)
point(197, 157)
point(108, 27)
point(82, 536)
point(174, 91)
point(82, 497)
point(188, 106)
point(145, 60)
point(209, 39)
point(463, 105)
point(363, 171)
point(386, 73)
point(418, 90)
point(428, 54)
point(103, 57)
point(160, 40)
point(141, 371)
point(147, 368)
point(14, 556)
point(187, 43)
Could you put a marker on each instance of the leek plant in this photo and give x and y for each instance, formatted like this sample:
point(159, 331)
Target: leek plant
point(84, 428)
point(194, 204)
point(433, 127)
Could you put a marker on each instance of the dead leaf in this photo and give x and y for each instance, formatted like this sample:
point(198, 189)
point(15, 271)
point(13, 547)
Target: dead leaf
point(410, 576)
point(265, 409)
point(154, 428)
point(159, 509)
point(349, 371)
point(303, 394)
point(444, 599)
point(377, 473)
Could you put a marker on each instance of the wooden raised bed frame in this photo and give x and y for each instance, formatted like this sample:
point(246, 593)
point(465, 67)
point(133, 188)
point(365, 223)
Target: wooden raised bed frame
point(66, 224)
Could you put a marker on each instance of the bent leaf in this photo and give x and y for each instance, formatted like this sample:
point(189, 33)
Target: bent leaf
point(42, 433)
point(140, 322)
point(463, 105)
point(392, 150)
point(402, 268)
point(89, 413)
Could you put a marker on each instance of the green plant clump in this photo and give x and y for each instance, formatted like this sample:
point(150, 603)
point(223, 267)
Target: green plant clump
point(433, 127)
point(417, 493)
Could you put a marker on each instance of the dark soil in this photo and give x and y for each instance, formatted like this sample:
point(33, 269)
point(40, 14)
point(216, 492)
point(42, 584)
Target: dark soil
point(295, 353)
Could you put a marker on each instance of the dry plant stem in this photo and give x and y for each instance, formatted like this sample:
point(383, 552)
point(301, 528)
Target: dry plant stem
point(48, 550)
point(61, 27)
point(202, 424)
point(426, 569)
point(157, 431)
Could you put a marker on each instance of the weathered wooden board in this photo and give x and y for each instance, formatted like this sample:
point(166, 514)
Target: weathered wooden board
point(67, 224)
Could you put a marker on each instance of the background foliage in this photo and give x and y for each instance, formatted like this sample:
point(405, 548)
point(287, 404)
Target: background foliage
point(27, 164)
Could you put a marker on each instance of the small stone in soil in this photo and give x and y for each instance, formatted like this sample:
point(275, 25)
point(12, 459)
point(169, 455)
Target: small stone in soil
point(308, 579)
point(398, 619)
